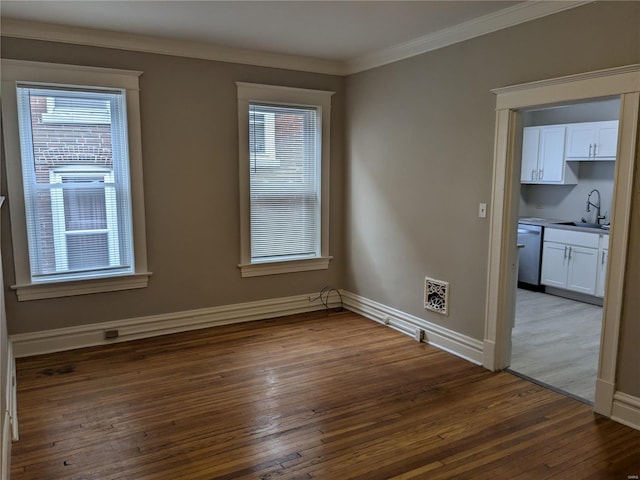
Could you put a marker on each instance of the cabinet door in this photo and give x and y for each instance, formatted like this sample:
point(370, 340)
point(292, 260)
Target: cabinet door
point(602, 272)
point(551, 156)
point(530, 142)
point(583, 269)
point(554, 264)
point(580, 140)
point(606, 141)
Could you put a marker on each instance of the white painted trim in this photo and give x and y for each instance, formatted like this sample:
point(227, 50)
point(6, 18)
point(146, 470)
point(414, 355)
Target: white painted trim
point(10, 416)
point(599, 83)
point(603, 401)
point(626, 410)
point(5, 460)
point(623, 81)
point(12, 406)
point(291, 266)
point(619, 236)
point(448, 340)
point(47, 341)
point(24, 70)
point(165, 46)
point(503, 253)
point(35, 291)
point(507, 17)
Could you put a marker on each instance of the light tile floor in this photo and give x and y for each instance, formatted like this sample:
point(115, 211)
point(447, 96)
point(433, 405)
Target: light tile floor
point(556, 341)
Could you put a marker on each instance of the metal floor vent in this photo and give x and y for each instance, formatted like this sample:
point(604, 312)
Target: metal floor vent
point(436, 295)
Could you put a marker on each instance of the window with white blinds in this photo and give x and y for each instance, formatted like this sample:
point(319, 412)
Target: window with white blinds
point(284, 178)
point(284, 181)
point(75, 171)
point(74, 177)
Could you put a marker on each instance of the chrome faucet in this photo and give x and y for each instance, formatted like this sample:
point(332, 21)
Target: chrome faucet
point(595, 205)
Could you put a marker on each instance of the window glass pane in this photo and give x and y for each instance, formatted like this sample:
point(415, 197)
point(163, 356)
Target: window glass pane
point(84, 209)
point(88, 251)
point(285, 186)
point(257, 144)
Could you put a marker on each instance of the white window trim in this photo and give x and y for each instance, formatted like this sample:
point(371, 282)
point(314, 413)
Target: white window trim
point(251, 92)
point(14, 71)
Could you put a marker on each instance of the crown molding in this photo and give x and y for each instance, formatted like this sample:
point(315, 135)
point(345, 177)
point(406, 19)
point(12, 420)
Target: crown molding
point(165, 46)
point(508, 17)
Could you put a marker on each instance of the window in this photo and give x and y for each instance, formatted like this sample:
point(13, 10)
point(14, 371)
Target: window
point(284, 165)
point(75, 184)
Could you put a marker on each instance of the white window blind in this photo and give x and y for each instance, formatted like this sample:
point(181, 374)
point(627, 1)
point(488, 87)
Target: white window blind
point(284, 182)
point(75, 171)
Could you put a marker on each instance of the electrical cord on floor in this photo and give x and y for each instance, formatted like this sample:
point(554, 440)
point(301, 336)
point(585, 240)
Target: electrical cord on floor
point(323, 296)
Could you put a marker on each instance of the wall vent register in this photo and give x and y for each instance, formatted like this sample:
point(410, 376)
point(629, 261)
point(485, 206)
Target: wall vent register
point(436, 295)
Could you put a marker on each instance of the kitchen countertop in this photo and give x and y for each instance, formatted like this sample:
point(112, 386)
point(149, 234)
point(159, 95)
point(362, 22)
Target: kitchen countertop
point(554, 223)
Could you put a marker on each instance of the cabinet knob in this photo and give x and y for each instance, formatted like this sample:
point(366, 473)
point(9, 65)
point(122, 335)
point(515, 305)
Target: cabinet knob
point(541, 173)
point(595, 149)
point(590, 147)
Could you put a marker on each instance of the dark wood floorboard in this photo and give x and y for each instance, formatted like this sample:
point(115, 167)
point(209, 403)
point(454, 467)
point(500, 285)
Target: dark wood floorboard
point(304, 397)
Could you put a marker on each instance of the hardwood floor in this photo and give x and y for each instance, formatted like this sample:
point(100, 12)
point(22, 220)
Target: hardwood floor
point(557, 341)
point(307, 397)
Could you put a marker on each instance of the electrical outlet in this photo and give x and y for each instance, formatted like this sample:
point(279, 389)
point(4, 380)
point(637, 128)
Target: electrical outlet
point(109, 334)
point(482, 210)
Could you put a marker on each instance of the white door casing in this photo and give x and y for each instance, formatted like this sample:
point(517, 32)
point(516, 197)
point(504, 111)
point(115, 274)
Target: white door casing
point(501, 280)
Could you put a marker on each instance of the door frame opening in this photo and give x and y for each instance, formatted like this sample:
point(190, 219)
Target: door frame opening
point(503, 253)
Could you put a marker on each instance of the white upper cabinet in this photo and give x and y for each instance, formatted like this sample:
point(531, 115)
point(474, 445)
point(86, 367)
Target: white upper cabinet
point(592, 141)
point(543, 156)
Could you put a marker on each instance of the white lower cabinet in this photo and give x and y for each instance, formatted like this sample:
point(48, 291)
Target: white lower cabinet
point(572, 260)
point(554, 264)
point(582, 269)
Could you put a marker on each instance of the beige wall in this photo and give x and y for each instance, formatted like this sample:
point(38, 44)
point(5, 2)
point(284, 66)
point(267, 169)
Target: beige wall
point(419, 160)
point(190, 161)
point(418, 146)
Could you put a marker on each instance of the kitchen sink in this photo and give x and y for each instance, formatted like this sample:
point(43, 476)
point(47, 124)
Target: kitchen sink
point(596, 226)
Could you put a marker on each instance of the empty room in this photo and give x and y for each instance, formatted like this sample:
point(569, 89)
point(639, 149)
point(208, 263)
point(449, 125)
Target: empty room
point(176, 305)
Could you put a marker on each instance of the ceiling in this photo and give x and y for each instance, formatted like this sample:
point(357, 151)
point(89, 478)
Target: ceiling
point(326, 31)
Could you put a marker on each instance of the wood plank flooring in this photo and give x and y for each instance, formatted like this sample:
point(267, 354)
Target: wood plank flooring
point(306, 397)
point(557, 341)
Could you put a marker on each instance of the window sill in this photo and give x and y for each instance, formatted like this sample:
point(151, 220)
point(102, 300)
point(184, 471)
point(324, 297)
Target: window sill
point(290, 266)
point(37, 291)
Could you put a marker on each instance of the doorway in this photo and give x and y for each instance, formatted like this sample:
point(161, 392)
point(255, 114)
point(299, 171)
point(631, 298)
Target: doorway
point(557, 328)
point(500, 312)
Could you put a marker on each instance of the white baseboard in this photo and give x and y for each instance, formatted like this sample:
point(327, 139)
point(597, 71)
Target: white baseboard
point(626, 410)
point(10, 416)
point(453, 342)
point(6, 447)
point(604, 397)
point(57, 340)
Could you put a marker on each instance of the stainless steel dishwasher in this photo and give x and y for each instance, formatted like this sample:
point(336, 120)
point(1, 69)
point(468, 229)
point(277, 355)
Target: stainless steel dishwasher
point(530, 256)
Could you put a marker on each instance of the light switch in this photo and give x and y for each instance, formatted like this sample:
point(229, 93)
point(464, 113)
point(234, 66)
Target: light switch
point(482, 210)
